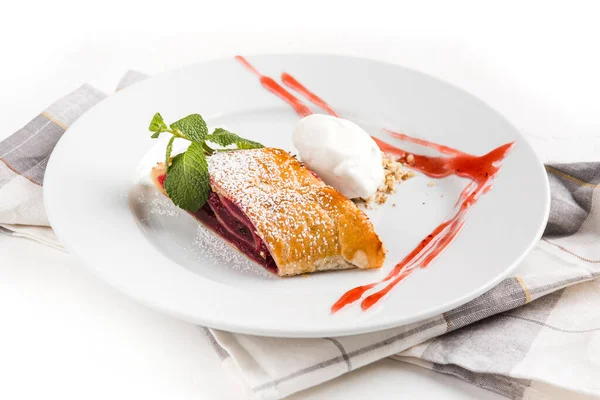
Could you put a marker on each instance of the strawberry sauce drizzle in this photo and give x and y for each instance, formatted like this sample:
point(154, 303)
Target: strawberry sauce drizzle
point(292, 83)
point(480, 170)
point(274, 87)
point(441, 148)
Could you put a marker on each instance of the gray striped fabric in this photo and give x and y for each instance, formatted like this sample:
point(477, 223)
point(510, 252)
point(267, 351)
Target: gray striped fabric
point(572, 190)
point(27, 151)
point(514, 339)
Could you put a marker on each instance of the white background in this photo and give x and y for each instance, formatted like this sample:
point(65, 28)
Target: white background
point(64, 334)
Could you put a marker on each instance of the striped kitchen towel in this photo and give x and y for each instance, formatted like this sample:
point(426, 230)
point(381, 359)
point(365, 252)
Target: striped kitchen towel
point(25, 154)
point(535, 335)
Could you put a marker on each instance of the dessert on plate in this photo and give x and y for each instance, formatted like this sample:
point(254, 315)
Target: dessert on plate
point(281, 214)
point(273, 209)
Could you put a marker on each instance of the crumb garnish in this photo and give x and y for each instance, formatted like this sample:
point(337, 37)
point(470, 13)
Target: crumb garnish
point(395, 172)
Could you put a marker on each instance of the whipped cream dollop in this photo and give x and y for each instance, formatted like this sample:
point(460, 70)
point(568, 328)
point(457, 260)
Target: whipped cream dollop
point(341, 153)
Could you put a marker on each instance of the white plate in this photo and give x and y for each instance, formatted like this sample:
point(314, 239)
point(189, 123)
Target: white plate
point(146, 248)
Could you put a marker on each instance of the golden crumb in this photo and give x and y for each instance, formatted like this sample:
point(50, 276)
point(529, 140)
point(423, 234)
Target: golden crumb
point(410, 159)
point(409, 174)
point(394, 173)
point(431, 183)
point(381, 198)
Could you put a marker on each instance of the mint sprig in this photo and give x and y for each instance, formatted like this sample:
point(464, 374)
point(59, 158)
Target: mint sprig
point(187, 181)
point(157, 125)
point(193, 127)
point(224, 138)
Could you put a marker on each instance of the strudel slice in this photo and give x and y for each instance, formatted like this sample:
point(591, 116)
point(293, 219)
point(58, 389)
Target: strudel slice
point(272, 208)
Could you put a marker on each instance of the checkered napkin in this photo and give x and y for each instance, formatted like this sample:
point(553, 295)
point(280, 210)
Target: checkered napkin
point(535, 335)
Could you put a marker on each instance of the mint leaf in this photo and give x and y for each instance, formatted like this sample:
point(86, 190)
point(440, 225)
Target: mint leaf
point(168, 155)
point(187, 182)
point(157, 125)
point(248, 144)
point(224, 138)
point(193, 127)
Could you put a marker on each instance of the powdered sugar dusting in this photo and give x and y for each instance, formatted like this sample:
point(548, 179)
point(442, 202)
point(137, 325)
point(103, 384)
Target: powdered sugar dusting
point(163, 207)
point(215, 249)
point(265, 185)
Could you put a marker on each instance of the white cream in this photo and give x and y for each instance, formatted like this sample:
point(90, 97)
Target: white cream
point(155, 155)
point(341, 153)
